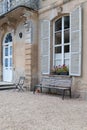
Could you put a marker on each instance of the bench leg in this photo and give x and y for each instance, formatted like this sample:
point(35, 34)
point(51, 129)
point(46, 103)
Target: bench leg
point(41, 89)
point(70, 92)
point(34, 89)
point(63, 94)
point(49, 90)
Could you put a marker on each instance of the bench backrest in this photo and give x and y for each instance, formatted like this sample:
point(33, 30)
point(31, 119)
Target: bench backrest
point(56, 81)
point(64, 83)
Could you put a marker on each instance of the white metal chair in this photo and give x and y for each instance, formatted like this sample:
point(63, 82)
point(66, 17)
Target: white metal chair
point(20, 83)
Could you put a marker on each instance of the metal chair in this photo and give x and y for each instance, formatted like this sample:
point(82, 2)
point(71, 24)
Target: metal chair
point(20, 83)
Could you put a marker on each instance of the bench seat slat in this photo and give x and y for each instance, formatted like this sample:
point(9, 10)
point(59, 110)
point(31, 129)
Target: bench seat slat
point(55, 87)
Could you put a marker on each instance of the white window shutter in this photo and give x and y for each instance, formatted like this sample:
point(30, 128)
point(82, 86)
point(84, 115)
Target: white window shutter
point(45, 47)
point(76, 42)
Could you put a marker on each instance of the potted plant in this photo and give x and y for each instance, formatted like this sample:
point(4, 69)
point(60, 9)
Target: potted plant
point(60, 70)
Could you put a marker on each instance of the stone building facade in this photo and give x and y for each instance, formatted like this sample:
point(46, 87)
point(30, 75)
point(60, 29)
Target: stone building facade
point(66, 40)
point(38, 35)
point(19, 38)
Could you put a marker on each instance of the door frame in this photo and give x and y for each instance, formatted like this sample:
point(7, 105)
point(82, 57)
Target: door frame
point(3, 47)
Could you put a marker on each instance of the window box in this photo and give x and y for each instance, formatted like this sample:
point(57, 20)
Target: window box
point(64, 73)
point(60, 70)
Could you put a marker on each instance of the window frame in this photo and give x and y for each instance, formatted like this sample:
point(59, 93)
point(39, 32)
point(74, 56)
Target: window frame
point(62, 40)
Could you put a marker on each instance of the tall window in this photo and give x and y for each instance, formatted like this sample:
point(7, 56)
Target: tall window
point(62, 41)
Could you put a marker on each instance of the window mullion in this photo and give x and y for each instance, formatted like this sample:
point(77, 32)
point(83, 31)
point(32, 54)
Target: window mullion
point(53, 43)
point(62, 40)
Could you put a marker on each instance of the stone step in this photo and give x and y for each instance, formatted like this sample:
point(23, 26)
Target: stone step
point(6, 85)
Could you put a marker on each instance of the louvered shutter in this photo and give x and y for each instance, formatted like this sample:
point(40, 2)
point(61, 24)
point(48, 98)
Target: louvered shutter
point(45, 47)
point(75, 38)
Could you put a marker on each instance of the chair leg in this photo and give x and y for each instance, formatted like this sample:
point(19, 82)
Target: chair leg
point(17, 86)
point(20, 88)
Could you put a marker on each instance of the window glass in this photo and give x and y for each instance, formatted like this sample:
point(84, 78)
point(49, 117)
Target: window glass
point(58, 56)
point(66, 22)
point(66, 62)
point(58, 25)
point(66, 36)
point(8, 38)
point(58, 62)
point(66, 49)
point(6, 62)
point(58, 49)
point(58, 38)
point(6, 51)
point(10, 62)
point(66, 55)
point(10, 50)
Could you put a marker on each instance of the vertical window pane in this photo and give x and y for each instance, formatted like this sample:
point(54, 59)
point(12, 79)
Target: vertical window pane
point(66, 62)
point(6, 51)
point(66, 55)
point(58, 49)
point(6, 62)
point(66, 36)
point(58, 38)
point(66, 22)
point(57, 62)
point(58, 56)
point(58, 25)
point(10, 62)
point(66, 49)
point(8, 38)
point(10, 50)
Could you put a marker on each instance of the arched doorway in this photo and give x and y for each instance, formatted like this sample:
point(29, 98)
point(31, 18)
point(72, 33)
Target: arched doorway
point(7, 58)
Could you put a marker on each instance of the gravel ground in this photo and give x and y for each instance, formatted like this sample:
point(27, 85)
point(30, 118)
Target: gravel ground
point(28, 111)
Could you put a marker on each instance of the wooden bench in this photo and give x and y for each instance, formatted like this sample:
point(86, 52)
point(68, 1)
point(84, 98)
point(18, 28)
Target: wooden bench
point(63, 85)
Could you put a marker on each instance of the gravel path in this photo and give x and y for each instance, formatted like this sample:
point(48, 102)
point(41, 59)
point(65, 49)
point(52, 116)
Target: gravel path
point(26, 111)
